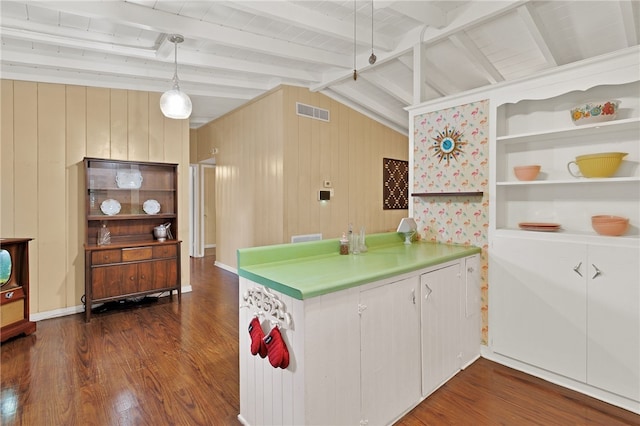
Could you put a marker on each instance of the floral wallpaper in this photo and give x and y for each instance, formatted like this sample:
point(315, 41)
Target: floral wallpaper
point(451, 154)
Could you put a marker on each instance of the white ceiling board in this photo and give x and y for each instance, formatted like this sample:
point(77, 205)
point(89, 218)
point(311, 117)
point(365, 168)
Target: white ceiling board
point(235, 51)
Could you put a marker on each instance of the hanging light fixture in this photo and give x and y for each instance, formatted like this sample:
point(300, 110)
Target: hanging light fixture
point(175, 103)
point(372, 58)
point(355, 72)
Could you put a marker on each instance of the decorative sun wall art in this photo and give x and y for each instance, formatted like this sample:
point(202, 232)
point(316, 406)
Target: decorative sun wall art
point(395, 190)
point(448, 144)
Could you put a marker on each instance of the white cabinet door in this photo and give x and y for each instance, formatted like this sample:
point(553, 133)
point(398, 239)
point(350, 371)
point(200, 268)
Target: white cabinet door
point(390, 350)
point(470, 315)
point(613, 346)
point(538, 309)
point(441, 348)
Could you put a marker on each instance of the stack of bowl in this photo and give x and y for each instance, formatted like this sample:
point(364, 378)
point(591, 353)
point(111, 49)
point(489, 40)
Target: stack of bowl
point(610, 225)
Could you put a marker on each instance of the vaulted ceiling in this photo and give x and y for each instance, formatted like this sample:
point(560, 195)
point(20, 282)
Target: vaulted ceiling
point(234, 51)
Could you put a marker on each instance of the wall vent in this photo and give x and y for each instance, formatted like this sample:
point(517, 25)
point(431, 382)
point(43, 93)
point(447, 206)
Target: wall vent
point(312, 112)
point(303, 238)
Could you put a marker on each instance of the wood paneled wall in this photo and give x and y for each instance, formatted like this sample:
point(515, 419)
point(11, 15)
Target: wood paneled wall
point(47, 129)
point(272, 162)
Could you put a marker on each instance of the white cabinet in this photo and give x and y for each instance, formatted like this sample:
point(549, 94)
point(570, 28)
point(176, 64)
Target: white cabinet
point(441, 351)
point(613, 319)
point(360, 355)
point(451, 323)
point(390, 350)
point(569, 308)
point(538, 305)
point(470, 313)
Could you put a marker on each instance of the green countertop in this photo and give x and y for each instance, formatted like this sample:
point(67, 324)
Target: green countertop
point(310, 269)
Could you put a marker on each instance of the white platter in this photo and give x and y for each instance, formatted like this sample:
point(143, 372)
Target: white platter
point(110, 207)
point(151, 207)
point(129, 179)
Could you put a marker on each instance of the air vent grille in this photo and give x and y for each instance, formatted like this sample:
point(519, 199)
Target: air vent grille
point(312, 112)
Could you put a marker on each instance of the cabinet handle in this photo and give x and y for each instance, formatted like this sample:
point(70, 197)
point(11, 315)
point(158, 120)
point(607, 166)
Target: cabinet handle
point(598, 271)
point(8, 295)
point(413, 295)
point(470, 269)
point(576, 268)
point(429, 291)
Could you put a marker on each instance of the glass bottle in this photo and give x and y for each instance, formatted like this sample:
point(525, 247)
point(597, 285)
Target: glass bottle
point(104, 235)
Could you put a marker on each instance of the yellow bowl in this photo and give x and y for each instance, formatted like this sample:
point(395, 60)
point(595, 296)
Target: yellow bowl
point(597, 165)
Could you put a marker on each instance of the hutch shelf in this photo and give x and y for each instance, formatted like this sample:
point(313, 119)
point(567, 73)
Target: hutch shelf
point(125, 201)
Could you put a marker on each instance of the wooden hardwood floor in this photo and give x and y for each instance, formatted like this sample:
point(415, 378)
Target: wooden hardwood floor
point(170, 364)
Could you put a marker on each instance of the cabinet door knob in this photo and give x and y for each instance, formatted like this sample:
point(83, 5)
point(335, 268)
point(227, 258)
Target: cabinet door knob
point(576, 268)
point(598, 271)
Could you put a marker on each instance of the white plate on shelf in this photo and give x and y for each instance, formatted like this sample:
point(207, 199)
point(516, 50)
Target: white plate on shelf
point(151, 207)
point(129, 179)
point(110, 207)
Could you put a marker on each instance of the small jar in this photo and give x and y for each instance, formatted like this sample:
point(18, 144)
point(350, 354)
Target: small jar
point(344, 245)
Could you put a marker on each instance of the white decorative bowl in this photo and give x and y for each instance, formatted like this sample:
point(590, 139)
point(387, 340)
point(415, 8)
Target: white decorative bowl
point(594, 112)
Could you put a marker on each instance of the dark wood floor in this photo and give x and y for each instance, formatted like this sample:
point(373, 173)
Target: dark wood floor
point(170, 364)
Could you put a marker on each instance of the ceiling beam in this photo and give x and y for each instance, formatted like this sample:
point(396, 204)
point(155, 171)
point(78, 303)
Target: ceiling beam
point(389, 86)
point(421, 11)
point(534, 25)
point(156, 20)
point(349, 91)
point(475, 13)
point(306, 19)
point(463, 42)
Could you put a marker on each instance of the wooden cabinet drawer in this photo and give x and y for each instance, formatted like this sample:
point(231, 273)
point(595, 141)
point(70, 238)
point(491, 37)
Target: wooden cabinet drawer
point(11, 295)
point(137, 253)
point(11, 306)
point(101, 257)
point(160, 252)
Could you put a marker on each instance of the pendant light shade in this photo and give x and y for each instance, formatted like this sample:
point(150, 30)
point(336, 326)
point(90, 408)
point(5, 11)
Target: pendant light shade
point(175, 103)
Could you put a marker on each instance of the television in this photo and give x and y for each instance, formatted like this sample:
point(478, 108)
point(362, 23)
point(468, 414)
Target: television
point(13, 258)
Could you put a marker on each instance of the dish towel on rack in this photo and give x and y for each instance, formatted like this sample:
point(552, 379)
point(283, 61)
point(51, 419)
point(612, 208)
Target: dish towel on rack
point(277, 349)
point(258, 345)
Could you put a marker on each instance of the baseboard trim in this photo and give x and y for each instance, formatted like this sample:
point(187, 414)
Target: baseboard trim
point(225, 267)
point(72, 310)
point(602, 395)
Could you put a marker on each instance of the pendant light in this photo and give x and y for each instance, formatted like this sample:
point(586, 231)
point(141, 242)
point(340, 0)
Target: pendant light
point(355, 72)
point(372, 58)
point(175, 103)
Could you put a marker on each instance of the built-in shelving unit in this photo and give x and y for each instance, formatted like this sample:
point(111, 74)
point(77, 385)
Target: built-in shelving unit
point(540, 131)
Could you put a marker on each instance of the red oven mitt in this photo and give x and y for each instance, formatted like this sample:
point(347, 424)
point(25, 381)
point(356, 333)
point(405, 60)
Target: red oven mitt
point(277, 349)
point(257, 338)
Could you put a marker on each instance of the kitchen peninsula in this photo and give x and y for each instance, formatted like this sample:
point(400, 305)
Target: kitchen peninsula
point(369, 336)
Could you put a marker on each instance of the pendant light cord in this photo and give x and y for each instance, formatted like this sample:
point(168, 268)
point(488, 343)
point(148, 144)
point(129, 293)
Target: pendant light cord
point(355, 73)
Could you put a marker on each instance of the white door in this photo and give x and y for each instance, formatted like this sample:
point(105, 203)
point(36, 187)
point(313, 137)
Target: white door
point(441, 349)
point(538, 303)
point(613, 351)
point(390, 350)
point(470, 315)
